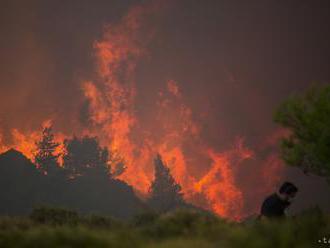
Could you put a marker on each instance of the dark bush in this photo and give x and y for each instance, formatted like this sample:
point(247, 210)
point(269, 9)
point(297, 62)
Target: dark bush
point(54, 216)
point(144, 219)
point(15, 223)
point(180, 222)
point(101, 222)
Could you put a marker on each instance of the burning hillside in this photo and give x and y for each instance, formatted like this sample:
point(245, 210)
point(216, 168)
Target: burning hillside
point(210, 177)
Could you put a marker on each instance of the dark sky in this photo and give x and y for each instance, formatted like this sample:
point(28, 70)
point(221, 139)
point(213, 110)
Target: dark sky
point(235, 61)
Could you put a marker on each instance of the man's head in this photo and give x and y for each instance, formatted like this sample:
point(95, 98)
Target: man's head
point(288, 191)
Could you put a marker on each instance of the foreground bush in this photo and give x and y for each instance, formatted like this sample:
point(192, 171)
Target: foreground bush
point(54, 216)
point(64, 237)
point(182, 228)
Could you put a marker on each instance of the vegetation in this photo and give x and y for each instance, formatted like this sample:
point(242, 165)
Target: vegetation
point(45, 157)
point(93, 191)
point(85, 181)
point(84, 156)
point(165, 193)
point(87, 184)
point(51, 227)
point(307, 117)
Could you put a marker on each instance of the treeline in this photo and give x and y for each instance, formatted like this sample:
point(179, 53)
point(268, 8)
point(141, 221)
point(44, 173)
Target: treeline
point(84, 181)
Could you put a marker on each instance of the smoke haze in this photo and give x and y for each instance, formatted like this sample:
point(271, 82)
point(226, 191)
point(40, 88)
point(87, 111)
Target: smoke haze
point(196, 81)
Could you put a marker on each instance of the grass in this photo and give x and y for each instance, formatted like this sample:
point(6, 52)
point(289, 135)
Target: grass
point(56, 227)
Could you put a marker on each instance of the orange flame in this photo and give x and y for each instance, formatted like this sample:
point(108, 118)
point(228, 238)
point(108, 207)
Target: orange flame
point(112, 101)
point(25, 142)
point(170, 130)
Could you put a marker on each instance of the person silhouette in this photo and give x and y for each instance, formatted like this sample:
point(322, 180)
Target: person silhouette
point(274, 206)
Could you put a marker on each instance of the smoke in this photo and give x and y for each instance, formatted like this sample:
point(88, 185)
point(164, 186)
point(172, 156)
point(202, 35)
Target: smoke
point(112, 107)
point(161, 78)
point(167, 126)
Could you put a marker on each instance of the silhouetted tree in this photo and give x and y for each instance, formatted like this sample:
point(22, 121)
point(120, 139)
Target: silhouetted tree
point(85, 156)
point(92, 187)
point(307, 117)
point(165, 193)
point(45, 157)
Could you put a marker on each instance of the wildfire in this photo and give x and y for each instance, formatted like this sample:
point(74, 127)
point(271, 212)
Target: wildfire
point(112, 100)
point(170, 130)
point(26, 143)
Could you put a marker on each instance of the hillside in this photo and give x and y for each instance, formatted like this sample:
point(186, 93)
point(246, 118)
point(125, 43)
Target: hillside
point(22, 187)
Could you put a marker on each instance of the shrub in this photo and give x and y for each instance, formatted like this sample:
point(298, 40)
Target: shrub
point(51, 227)
point(100, 222)
point(15, 223)
point(180, 222)
point(54, 216)
point(144, 219)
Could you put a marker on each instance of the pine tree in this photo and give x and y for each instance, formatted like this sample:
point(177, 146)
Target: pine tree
point(307, 118)
point(45, 157)
point(165, 193)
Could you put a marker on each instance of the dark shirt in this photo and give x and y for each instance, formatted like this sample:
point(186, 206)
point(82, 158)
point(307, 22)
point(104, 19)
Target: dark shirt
point(274, 206)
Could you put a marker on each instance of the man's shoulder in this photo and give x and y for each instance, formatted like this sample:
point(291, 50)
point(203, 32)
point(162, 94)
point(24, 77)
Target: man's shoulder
point(272, 197)
point(271, 206)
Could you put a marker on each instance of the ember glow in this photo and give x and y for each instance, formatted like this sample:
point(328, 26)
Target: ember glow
point(207, 175)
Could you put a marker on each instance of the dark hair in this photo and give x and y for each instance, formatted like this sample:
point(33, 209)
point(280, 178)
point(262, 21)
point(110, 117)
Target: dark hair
point(288, 188)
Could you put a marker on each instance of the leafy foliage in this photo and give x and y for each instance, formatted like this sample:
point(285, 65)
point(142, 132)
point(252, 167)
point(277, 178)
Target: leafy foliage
point(307, 117)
